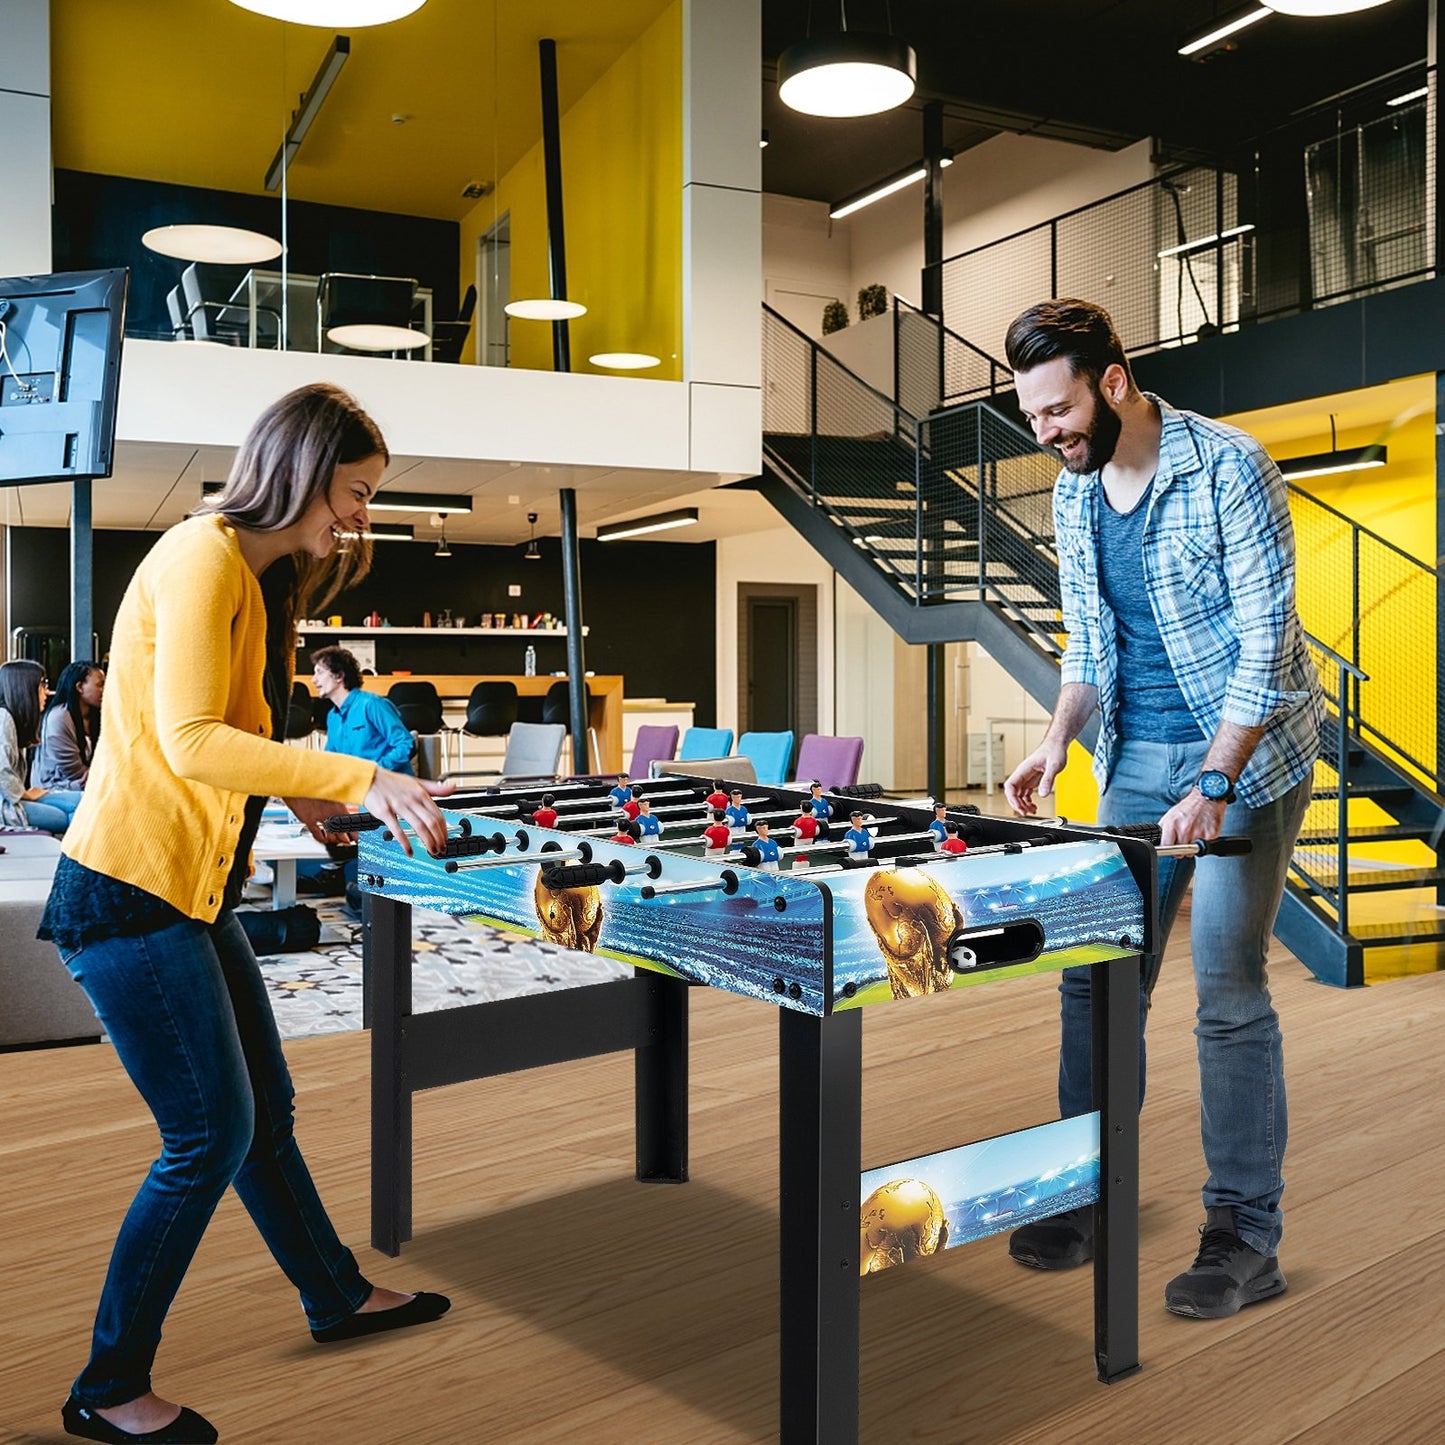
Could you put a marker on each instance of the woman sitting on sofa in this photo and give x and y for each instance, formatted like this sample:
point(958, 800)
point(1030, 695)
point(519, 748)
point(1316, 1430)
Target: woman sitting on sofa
point(69, 728)
point(22, 695)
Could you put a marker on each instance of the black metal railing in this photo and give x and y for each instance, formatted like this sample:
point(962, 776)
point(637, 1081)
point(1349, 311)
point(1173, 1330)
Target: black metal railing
point(1337, 204)
point(934, 366)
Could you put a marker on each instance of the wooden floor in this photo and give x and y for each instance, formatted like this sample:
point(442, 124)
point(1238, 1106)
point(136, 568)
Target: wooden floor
point(589, 1308)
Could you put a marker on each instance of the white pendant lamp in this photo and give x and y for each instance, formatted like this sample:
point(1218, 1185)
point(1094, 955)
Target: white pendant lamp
point(221, 245)
point(846, 72)
point(625, 360)
point(368, 336)
point(1313, 8)
point(346, 14)
point(543, 308)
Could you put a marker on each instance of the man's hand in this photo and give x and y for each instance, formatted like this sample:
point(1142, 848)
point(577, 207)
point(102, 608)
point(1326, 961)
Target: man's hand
point(1035, 774)
point(311, 813)
point(1194, 816)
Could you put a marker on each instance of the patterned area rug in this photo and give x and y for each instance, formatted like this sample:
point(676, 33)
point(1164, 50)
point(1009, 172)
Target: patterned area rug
point(455, 962)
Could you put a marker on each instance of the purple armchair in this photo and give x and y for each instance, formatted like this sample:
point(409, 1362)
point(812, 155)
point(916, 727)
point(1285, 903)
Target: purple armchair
point(834, 762)
point(653, 745)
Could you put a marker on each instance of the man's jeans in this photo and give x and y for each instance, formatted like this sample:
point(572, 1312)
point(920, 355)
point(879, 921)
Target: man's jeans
point(1241, 1055)
point(186, 1009)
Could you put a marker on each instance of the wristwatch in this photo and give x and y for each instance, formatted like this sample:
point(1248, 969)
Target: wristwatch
point(1216, 786)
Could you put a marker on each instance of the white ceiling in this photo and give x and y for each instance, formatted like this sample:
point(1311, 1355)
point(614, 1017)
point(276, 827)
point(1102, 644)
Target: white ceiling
point(155, 485)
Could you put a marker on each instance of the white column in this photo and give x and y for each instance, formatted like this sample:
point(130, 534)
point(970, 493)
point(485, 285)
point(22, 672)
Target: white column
point(722, 227)
point(25, 126)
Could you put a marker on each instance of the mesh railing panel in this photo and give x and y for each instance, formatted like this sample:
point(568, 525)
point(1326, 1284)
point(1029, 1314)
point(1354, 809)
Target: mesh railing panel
point(919, 362)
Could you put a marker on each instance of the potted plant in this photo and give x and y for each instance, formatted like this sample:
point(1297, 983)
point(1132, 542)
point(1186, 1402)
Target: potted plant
point(872, 301)
point(835, 317)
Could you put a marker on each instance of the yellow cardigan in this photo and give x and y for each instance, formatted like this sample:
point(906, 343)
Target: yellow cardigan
point(186, 735)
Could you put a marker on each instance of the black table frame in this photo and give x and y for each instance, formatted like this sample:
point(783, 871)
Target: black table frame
point(820, 1139)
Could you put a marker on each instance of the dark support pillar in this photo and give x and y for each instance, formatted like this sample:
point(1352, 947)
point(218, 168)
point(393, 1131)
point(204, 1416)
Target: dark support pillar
point(386, 952)
point(1114, 1018)
point(572, 610)
point(820, 1089)
point(932, 527)
point(552, 169)
point(82, 573)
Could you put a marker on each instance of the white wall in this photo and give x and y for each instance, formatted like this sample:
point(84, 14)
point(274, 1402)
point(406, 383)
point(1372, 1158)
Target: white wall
point(781, 556)
point(806, 261)
point(25, 126)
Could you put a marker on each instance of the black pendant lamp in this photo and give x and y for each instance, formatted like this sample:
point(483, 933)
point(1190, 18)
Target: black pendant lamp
point(847, 72)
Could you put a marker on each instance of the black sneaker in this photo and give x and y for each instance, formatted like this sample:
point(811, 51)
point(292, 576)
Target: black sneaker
point(1226, 1275)
point(1060, 1242)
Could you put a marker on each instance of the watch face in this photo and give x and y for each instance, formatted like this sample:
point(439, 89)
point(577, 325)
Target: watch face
point(1214, 785)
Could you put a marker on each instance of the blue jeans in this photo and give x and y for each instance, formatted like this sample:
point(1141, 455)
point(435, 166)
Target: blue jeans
point(186, 1010)
point(1241, 1055)
point(54, 811)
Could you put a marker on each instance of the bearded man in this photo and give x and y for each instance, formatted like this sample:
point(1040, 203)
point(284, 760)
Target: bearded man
point(1176, 568)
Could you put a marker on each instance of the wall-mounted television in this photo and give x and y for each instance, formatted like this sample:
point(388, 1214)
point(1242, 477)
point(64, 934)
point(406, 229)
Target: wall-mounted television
point(60, 341)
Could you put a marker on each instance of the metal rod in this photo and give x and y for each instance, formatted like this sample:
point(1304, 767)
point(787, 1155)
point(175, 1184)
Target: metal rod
point(552, 169)
point(572, 607)
point(469, 865)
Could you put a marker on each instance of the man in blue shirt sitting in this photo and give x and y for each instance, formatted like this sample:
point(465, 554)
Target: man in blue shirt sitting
point(360, 724)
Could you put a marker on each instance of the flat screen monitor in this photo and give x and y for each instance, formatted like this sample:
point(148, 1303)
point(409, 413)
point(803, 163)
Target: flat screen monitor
point(60, 340)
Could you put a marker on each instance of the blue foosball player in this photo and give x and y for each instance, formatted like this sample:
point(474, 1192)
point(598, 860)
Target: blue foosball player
point(858, 838)
point(649, 828)
point(622, 793)
point(737, 811)
point(822, 809)
point(767, 848)
point(939, 826)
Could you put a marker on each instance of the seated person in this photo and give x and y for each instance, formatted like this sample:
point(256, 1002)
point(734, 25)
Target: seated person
point(22, 696)
point(718, 835)
point(360, 724)
point(69, 729)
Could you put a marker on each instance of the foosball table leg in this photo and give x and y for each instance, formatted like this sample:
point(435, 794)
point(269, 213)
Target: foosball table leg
point(387, 944)
point(1114, 1009)
point(820, 1089)
point(661, 1083)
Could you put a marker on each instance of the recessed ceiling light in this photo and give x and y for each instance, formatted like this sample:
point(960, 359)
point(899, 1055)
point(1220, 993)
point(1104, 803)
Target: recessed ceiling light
point(847, 73)
point(347, 14)
point(544, 309)
point(625, 360)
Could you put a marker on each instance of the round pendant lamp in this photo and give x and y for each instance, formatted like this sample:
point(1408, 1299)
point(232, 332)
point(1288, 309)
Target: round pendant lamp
point(625, 360)
point(543, 308)
point(222, 245)
point(1311, 8)
point(367, 336)
point(847, 73)
point(346, 14)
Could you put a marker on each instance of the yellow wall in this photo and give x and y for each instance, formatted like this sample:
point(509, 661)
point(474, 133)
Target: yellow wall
point(622, 201)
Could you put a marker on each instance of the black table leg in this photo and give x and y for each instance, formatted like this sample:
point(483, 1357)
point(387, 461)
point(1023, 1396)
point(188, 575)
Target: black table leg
point(1114, 1000)
point(387, 965)
point(661, 1083)
point(820, 1079)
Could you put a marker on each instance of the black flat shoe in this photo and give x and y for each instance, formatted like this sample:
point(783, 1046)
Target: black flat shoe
point(188, 1428)
point(421, 1309)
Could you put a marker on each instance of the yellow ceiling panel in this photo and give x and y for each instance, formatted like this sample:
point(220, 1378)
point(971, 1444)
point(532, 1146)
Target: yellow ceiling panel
point(199, 92)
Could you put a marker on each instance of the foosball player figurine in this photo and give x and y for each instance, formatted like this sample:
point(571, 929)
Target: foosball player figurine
point(627, 832)
point(718, 798)
point(718, 835)
point(649, 829)
point(768, 851)
point(822, 809)
point(805, 830)
point(939, 826)
point(622, 793)
point(737, 811)
point(858, 838)
point(546, 815)
point(954, 843)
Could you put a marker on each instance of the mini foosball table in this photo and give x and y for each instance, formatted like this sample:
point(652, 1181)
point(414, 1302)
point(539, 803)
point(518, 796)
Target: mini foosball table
point(822, 928)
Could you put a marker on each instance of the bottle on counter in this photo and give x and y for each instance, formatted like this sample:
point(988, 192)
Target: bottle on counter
point(529, 662)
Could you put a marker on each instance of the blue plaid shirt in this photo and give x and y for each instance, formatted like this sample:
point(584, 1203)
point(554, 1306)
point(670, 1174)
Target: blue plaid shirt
point(1219, 565)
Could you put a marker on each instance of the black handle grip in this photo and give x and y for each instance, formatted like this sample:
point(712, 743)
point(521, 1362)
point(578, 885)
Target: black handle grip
point(351, 823)
point(582, 875)
point(1149, 832)
point(1226, 847)
point(860, 790)
point(752, 857)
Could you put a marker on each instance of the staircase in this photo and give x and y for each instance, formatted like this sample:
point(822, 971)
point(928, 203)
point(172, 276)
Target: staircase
point(944, 524)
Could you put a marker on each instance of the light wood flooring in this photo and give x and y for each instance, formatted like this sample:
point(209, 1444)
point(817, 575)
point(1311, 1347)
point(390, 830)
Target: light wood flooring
point(590, 1308)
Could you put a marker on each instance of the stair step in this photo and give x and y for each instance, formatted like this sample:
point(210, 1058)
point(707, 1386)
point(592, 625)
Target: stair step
point(1374, 880)
point(1384, 935)
point(1376, 833)
point(1398, 792)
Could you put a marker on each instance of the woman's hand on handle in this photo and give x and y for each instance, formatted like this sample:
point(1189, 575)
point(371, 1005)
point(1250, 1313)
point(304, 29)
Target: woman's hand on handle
point(1035, 775)
point(397, 796)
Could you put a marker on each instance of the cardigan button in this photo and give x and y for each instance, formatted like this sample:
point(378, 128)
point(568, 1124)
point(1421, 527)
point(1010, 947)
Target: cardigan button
point(210, 902)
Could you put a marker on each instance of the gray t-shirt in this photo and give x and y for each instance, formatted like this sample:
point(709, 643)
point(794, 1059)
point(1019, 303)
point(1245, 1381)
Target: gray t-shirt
point(1151, 706)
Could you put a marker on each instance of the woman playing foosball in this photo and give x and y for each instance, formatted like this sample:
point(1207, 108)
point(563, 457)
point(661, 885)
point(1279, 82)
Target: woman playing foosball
point(141, 907)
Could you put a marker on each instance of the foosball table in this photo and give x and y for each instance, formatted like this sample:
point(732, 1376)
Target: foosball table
point(820, 927)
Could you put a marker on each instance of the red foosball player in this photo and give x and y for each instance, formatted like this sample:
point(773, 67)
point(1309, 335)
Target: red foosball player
point(627, 832)
point(805, 830)
point(631, 808)
point(953, 843)
point(718, 798)
point(719, 834)
point(546, 815)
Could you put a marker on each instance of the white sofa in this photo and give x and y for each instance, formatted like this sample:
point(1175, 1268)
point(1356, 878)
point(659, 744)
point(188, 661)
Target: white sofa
point(39, 1002)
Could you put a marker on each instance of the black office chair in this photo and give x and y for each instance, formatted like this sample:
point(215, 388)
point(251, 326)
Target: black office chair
point(298, 712)
point(491, 711)
point(419, 704)
point(207, 318)
point(175, 309)
point(448, 337)
point(557, 704)
point(344, 298)
point(321, 709)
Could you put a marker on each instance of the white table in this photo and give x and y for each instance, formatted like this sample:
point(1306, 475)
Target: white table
point(282, 845)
